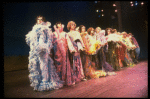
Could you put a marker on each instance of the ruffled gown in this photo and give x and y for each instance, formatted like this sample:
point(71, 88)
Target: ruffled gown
point(62, 45)
point(101, 53)
point(120, 51)
point(91, 47)
point(112, 43)
point(75, 58)
point(42, 72)
point(127, 57)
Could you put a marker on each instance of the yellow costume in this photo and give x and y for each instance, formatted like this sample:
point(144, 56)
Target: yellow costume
point(91, 47)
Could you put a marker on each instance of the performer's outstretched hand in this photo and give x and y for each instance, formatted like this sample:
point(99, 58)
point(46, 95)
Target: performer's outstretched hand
point(54, 26)
point(63, 25)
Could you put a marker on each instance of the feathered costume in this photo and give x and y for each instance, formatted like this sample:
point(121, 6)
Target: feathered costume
point(101, 55)
point(113, 40)
point(42, 72)
point(91, 47)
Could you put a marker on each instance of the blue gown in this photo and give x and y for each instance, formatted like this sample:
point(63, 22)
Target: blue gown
point(42, 72)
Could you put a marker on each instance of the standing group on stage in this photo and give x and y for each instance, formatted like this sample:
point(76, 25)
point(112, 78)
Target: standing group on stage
point(59, 58)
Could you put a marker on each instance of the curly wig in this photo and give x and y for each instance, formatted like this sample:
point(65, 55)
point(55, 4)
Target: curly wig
point(89, 30)
point(69, 24)
point(97, 28)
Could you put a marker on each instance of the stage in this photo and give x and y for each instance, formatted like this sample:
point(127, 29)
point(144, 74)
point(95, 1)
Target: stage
point(130, 82)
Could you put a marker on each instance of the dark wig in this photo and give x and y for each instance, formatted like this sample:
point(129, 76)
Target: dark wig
point(43, 18)
point(58, 23)
point(113, 30)
point(89, 30)
point(106, 31)
point(80, 27)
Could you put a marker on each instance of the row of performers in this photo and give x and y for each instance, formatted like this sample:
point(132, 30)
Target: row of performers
point(59, 58)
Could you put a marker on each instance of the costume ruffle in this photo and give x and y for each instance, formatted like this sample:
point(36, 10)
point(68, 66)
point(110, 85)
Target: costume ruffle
point(42, 72)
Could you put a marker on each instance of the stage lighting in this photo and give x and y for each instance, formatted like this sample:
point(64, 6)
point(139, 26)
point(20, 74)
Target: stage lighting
point(136, 3)
point(131, 2)
point(115, 10)
point(96, 10)
point(114, 5)
point(102, 10)
point(132, 5)
point(142, 3)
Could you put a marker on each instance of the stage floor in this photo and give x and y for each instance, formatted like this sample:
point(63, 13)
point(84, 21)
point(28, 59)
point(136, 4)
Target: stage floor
point(130, 82)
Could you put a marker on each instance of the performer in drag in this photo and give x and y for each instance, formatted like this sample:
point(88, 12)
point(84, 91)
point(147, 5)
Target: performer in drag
point(107, 32)
point(79, 46)
point(129, 46)
point(42, 72)
point(135, 52)
point(91, 47)
point(101, 55)
point(95, 45)
point(62, 45)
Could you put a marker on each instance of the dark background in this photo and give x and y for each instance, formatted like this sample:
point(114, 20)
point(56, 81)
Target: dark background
point(19, 19)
